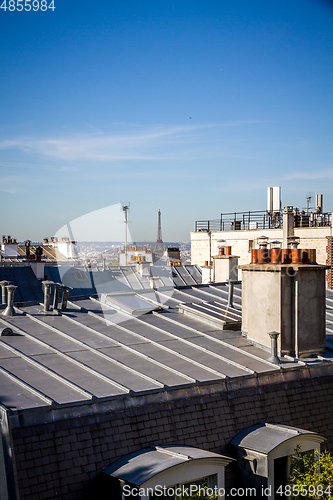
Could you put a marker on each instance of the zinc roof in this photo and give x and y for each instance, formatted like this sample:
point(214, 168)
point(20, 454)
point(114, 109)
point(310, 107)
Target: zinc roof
point(94, 351)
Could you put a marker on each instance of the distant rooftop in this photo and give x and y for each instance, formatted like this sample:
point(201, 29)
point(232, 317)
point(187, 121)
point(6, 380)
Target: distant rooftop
point(91, 280)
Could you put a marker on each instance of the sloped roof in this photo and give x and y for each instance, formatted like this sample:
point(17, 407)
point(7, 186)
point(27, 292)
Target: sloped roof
point(29, 287)
point(96, 351)
point(50, 253)
point(93, 351)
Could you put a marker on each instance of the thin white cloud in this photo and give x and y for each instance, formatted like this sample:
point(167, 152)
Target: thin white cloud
point(10, 185)
point(33, 166)
point(67, 169)
point(9, 190)
point(326, 174)
point(152, 143)
point(15, 184)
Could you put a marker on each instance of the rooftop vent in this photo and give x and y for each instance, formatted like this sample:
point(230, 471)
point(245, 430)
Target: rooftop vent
point(10, 310)
point(4, 284)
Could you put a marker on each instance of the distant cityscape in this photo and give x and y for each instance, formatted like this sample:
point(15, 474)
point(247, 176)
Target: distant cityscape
point(110, 250)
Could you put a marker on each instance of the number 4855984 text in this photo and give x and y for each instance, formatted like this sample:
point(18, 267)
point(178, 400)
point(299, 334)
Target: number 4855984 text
point(27, 5)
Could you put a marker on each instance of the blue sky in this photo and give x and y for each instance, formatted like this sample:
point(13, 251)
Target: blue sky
point(189, 106)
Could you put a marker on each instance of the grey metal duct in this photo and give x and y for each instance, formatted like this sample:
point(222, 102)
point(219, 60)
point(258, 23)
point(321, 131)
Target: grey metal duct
point(231, 292)
point(4, 291)
point(57, 288)
point(47, 294)
point(65, 293)
point(274, 357)
point(10, 311)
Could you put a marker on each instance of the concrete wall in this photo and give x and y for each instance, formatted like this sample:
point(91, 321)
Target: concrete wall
point(225, 268)
point(315, 238)
point(261, 309)
point(311, 311)
point(61, 459)
point(289, 299)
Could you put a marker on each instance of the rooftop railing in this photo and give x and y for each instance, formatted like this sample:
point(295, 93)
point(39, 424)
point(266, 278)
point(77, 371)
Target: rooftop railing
point(261, 219)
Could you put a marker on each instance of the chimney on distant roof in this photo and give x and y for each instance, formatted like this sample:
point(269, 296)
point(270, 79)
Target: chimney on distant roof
point(9, 247)
point(288, 224)
point(206, 273)
point(224, 264)
point(68, 248)
point(143, 267)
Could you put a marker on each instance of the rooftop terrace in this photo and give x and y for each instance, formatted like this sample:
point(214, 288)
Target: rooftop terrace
point(261, 219)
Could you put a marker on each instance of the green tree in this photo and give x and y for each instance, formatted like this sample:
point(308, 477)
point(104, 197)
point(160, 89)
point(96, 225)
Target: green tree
point(202, 494)
point(311, 475)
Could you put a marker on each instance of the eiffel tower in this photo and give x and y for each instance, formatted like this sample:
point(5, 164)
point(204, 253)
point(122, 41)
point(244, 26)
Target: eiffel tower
point(159, 247)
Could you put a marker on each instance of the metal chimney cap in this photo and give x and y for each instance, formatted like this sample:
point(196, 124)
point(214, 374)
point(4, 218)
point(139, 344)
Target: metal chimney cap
point(11, 287)
point(293, 241)
point(274, 334)
point(221, 243)
point(274, 357)
point(276, 244)
point(262, 241)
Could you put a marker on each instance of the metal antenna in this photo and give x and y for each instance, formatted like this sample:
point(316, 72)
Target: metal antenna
point(308, 201)
point(159, 247)
point(125, 208)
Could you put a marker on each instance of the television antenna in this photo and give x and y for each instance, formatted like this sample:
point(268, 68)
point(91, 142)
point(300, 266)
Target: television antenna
point(308, 198)
point(125, 206)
